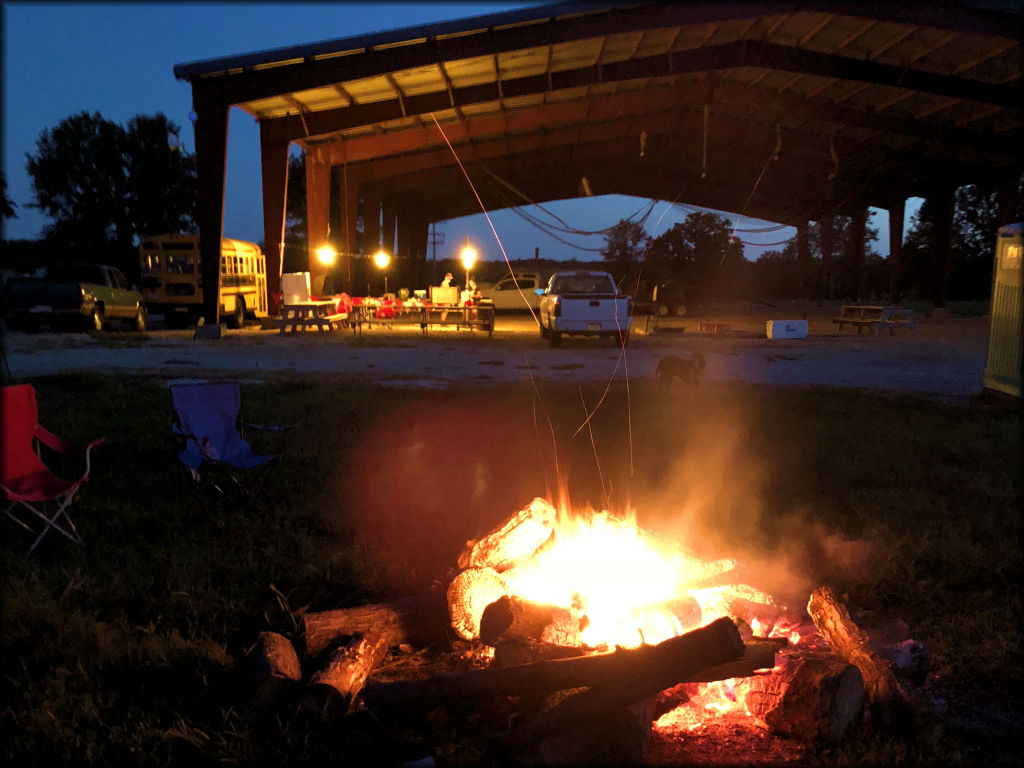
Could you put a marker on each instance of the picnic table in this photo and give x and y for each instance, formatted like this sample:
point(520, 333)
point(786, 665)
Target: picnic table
point(312, 314)
point(875, 318)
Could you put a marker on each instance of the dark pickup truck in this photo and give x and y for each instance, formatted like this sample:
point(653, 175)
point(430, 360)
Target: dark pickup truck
point(86, 296)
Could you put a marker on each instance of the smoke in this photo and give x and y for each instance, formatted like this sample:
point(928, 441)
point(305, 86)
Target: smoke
point(727, 492)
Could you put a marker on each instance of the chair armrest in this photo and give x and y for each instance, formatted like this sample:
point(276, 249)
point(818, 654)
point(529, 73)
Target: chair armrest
point(50, 440)
point(59, 444)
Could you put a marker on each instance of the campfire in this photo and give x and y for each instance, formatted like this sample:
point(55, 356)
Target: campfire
point(585, 627)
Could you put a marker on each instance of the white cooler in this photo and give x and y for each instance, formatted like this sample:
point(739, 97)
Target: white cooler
point(787, 329)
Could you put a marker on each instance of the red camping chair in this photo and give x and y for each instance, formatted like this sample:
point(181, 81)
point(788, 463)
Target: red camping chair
point(27, 482)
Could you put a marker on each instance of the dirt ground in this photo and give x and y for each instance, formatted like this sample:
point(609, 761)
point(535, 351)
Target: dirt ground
point(941, 357)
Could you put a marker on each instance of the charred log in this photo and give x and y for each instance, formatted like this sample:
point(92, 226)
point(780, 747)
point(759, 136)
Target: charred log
point(513, 618)
point(332, 690)
point(420, 619)
point(624, 676)
point(758, 653)
point(512, 653)
point(468, 596)
point(513, 541)
point(273, 672)
point(888, 701)
point(811, 698)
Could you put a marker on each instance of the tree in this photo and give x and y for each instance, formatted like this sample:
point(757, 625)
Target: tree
point(625, 243)
point(6, 204)
point(161, 177)
point(295, 201)
point(975, 222)
point(700, 251)
point(79, 180)
point(105, 187)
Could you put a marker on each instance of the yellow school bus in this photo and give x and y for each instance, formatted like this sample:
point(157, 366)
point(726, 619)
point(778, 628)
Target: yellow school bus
point(172, 279)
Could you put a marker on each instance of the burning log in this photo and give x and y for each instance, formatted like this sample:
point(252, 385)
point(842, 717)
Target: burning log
point(514, 540)
point(420, 619)
point(273, 671)
point(758, 653)
point(332, 690)
point(513, 618)
point(625, 675)
point(468, 596)
point(812, 698)
point(888, 701)
point(512, 653)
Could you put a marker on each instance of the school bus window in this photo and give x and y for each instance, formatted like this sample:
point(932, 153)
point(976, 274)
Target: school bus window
point(180, 264)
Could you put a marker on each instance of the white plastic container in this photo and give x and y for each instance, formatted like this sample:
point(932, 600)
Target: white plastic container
point(787, 329)
point(295, 287)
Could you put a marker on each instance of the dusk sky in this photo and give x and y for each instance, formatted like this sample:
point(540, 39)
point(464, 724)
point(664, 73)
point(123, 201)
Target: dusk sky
point(118, 59)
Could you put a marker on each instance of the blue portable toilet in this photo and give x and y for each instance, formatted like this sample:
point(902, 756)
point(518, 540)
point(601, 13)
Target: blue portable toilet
point(1005, 341)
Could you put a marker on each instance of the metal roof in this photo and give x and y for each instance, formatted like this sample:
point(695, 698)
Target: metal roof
point(881, 100)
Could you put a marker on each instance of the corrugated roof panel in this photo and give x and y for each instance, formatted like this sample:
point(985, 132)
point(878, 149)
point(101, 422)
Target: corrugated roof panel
point(467, 72)
point(318, 95)
point(731, 30)
point(567, 94)
point(907, 52)
point(414, 82)
point(655, 41)
point(620, 47)
point(369, 90)
point(837, 33)
point(523, 63)
point(582, 53)
point(798, 26)
point(482, 108)
point(524, 102)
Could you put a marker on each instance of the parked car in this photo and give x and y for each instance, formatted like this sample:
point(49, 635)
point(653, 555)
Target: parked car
point(86, 296)
point(584, 303)
point(504, 293)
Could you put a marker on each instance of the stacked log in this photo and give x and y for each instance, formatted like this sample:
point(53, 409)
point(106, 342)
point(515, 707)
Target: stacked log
point(332, 690)
point(622, 676)
point(419, 619)
point(814, 698)
point(468, 596)
point(515, 540)
point(272, 671)
point(886, 697)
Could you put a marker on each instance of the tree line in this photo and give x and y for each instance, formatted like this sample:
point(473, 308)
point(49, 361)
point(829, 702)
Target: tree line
point(702, 258)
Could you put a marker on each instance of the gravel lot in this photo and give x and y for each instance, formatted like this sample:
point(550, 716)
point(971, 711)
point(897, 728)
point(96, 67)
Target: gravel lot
point(941, 358)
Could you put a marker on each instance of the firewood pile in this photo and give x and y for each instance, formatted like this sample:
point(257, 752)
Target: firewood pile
point(477, 644)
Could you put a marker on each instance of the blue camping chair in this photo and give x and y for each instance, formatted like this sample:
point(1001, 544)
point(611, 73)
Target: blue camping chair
point(212, 444)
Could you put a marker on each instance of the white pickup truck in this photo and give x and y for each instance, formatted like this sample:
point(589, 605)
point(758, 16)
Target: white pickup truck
point(584, 303)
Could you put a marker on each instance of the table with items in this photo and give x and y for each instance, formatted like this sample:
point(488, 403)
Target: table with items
point(313, 314)
point(386, 313)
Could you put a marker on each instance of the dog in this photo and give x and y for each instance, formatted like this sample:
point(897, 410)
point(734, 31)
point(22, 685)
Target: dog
point(688, 370)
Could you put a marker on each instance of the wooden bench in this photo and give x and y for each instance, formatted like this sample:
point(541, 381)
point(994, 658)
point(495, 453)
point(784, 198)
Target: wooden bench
point(875, 318)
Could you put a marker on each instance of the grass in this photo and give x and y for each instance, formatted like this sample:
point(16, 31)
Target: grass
point(128, 649)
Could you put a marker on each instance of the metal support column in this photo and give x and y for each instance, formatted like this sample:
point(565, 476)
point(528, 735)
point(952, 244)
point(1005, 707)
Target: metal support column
point(211, 131)
point(274, 164)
